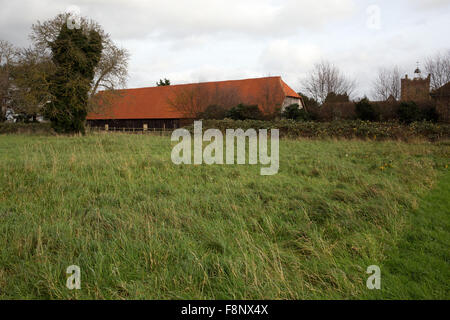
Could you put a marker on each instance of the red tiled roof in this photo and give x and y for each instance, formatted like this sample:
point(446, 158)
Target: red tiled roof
point(158, 102)
point(288, 91)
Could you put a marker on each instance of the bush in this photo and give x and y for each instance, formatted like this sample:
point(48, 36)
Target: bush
point(28, 128)
point(365, 111)
point(305, 116)
point(429, 113)
point(245, 112)
point(408, 112)
point(214, 112)
point(337, 98)
point(309, 103)
point(294, 113)
point(291, 112)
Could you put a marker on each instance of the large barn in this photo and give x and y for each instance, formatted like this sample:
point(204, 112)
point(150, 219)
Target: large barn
point(176, 105)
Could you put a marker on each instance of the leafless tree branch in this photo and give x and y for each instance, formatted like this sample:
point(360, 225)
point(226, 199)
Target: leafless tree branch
point(438, 67)
point(387, 84)
point(326, 78)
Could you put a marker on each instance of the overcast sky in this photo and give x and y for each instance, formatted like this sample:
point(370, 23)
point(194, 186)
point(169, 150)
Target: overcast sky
point(207, 40)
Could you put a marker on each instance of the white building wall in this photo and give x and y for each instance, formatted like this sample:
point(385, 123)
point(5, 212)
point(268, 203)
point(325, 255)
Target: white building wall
point(291, 100)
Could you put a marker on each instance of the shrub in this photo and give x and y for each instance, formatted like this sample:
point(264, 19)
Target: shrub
point(305, 116)
point(291, 112)
point(337, 98)
point(429, 113)
point(308, 102)
point(28, 128)
point(408, 112)
point(365, 111)
point(340, 129)
point(387, 110)
point(244, 112)
point(213, 112)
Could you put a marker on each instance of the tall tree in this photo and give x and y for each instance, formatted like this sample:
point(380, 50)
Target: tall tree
point(8, 55)
point(326, 78)
point(387, 84)
point(31, 75)
point(110, 73)
point(75, 53)
point(438, 67)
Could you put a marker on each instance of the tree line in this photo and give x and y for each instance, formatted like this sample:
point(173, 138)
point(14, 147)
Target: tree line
point(325, 85)
point(326, 79)
point(326, 93)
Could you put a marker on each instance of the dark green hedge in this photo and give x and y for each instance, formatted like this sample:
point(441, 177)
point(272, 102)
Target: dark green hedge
point(341, 129)
point(29, 128)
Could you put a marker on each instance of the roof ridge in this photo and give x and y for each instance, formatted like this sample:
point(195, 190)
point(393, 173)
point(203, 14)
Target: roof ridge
point(205, 82)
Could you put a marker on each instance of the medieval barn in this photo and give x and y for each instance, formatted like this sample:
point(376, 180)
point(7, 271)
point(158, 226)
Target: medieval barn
point(177, 105)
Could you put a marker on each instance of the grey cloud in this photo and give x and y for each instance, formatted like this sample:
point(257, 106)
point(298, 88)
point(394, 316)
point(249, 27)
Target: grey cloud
point(179, 19)
point(430, 4)
point(199, 40)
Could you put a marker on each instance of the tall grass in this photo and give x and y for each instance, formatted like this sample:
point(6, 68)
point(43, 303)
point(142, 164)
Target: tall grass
point(142, 227)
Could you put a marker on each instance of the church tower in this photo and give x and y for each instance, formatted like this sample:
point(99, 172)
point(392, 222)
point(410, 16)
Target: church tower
point(416, 89)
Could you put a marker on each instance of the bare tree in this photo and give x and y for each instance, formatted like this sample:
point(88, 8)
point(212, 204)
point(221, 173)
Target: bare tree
point(438, 67)
point(387, 84)
point(194, 99)
point(226, 97)
point(7, 53)
point(112, 71)
point(102, 102)
point(190, 100)
point(270, 98)
point(326, 78)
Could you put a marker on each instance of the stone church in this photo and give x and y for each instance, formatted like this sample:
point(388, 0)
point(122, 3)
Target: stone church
point(416, 89)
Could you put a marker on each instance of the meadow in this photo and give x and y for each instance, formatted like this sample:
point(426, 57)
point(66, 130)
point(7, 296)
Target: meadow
point(141, 227)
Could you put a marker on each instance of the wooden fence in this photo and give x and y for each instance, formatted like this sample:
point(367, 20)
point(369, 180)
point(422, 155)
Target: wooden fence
point(153, 131)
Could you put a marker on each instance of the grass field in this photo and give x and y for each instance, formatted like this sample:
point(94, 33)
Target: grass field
point(140, 227)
